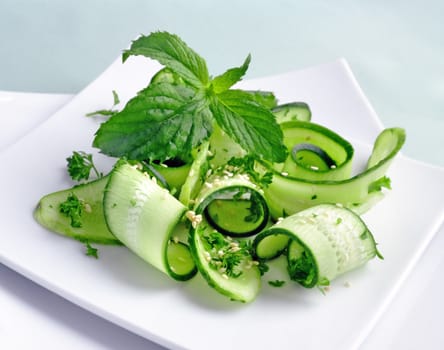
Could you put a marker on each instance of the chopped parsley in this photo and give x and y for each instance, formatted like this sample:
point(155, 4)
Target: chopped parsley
point(80, 165)
point(73, 209)
point(276, 283)
point(226, 255)
point(91, 251)
point(246, 165)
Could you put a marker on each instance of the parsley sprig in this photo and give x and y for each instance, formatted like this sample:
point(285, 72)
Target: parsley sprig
point(80, 165)
point(169, 119)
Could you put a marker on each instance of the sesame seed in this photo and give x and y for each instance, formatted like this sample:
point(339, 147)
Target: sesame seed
point(312, 167)
point(87, 208)
point(284, 173)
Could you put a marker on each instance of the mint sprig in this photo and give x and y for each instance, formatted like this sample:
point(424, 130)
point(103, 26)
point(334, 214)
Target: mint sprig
point(168, 120)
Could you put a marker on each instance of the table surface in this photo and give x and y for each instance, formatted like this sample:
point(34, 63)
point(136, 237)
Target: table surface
point(394, 48)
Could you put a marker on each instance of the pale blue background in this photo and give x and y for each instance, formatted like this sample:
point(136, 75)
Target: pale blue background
point(395, 48)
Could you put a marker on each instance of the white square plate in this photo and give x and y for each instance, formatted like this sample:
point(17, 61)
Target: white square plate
point(123, 289)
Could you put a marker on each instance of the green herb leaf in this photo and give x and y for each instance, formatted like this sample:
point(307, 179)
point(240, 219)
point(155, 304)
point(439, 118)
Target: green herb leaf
point(253, 127)
point(246, 165)
point(107, 112)
point(276, 283)
point(73, 209)
point(226, 80)
point(163, 121)
point(80, 165)
point(115, 98)
point(172, 52)
point(91, 251)
point(179, 108)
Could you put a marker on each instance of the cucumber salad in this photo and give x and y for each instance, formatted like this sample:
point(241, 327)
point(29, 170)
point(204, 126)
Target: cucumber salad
point(217, 181)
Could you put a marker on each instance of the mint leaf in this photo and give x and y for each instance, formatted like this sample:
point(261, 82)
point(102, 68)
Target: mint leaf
point(230, 77)
point(173, 53)
point(178, 109)
point(253, 127)
point(163, 121)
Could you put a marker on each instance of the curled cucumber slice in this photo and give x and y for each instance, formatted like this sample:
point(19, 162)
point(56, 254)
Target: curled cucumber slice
point(233, 205)
point(143, 216)
point(322, 243)
point(289, 194)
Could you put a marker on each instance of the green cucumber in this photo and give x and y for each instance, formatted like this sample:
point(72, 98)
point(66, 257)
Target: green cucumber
point(180, 262)
point(211, 251)
point(143, 216)
point(287, 194)
point(316, 153)
point(223, 148)
point(92, 228)
point(196, 175)
point(325, 242)
point(171, 177)
point(291, 112)
point(233, 204)
point(312, 157)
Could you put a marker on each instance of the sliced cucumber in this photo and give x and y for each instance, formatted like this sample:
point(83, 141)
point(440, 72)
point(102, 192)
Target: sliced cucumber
point(196, 175)
point(291, 112)
point(264, 98)
point(233, 204)
point(312, 157)
point(210, 249)
point(143, 216)
point(316, 153)
point(325, 241)
point(92, 228)
point(180, 262)
point(287, 195)
point(171, 176)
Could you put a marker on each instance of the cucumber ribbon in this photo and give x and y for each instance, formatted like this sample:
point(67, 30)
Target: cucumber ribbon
point(297, 186)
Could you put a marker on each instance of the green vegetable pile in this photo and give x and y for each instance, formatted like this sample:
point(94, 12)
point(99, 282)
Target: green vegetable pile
point(215, 180)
